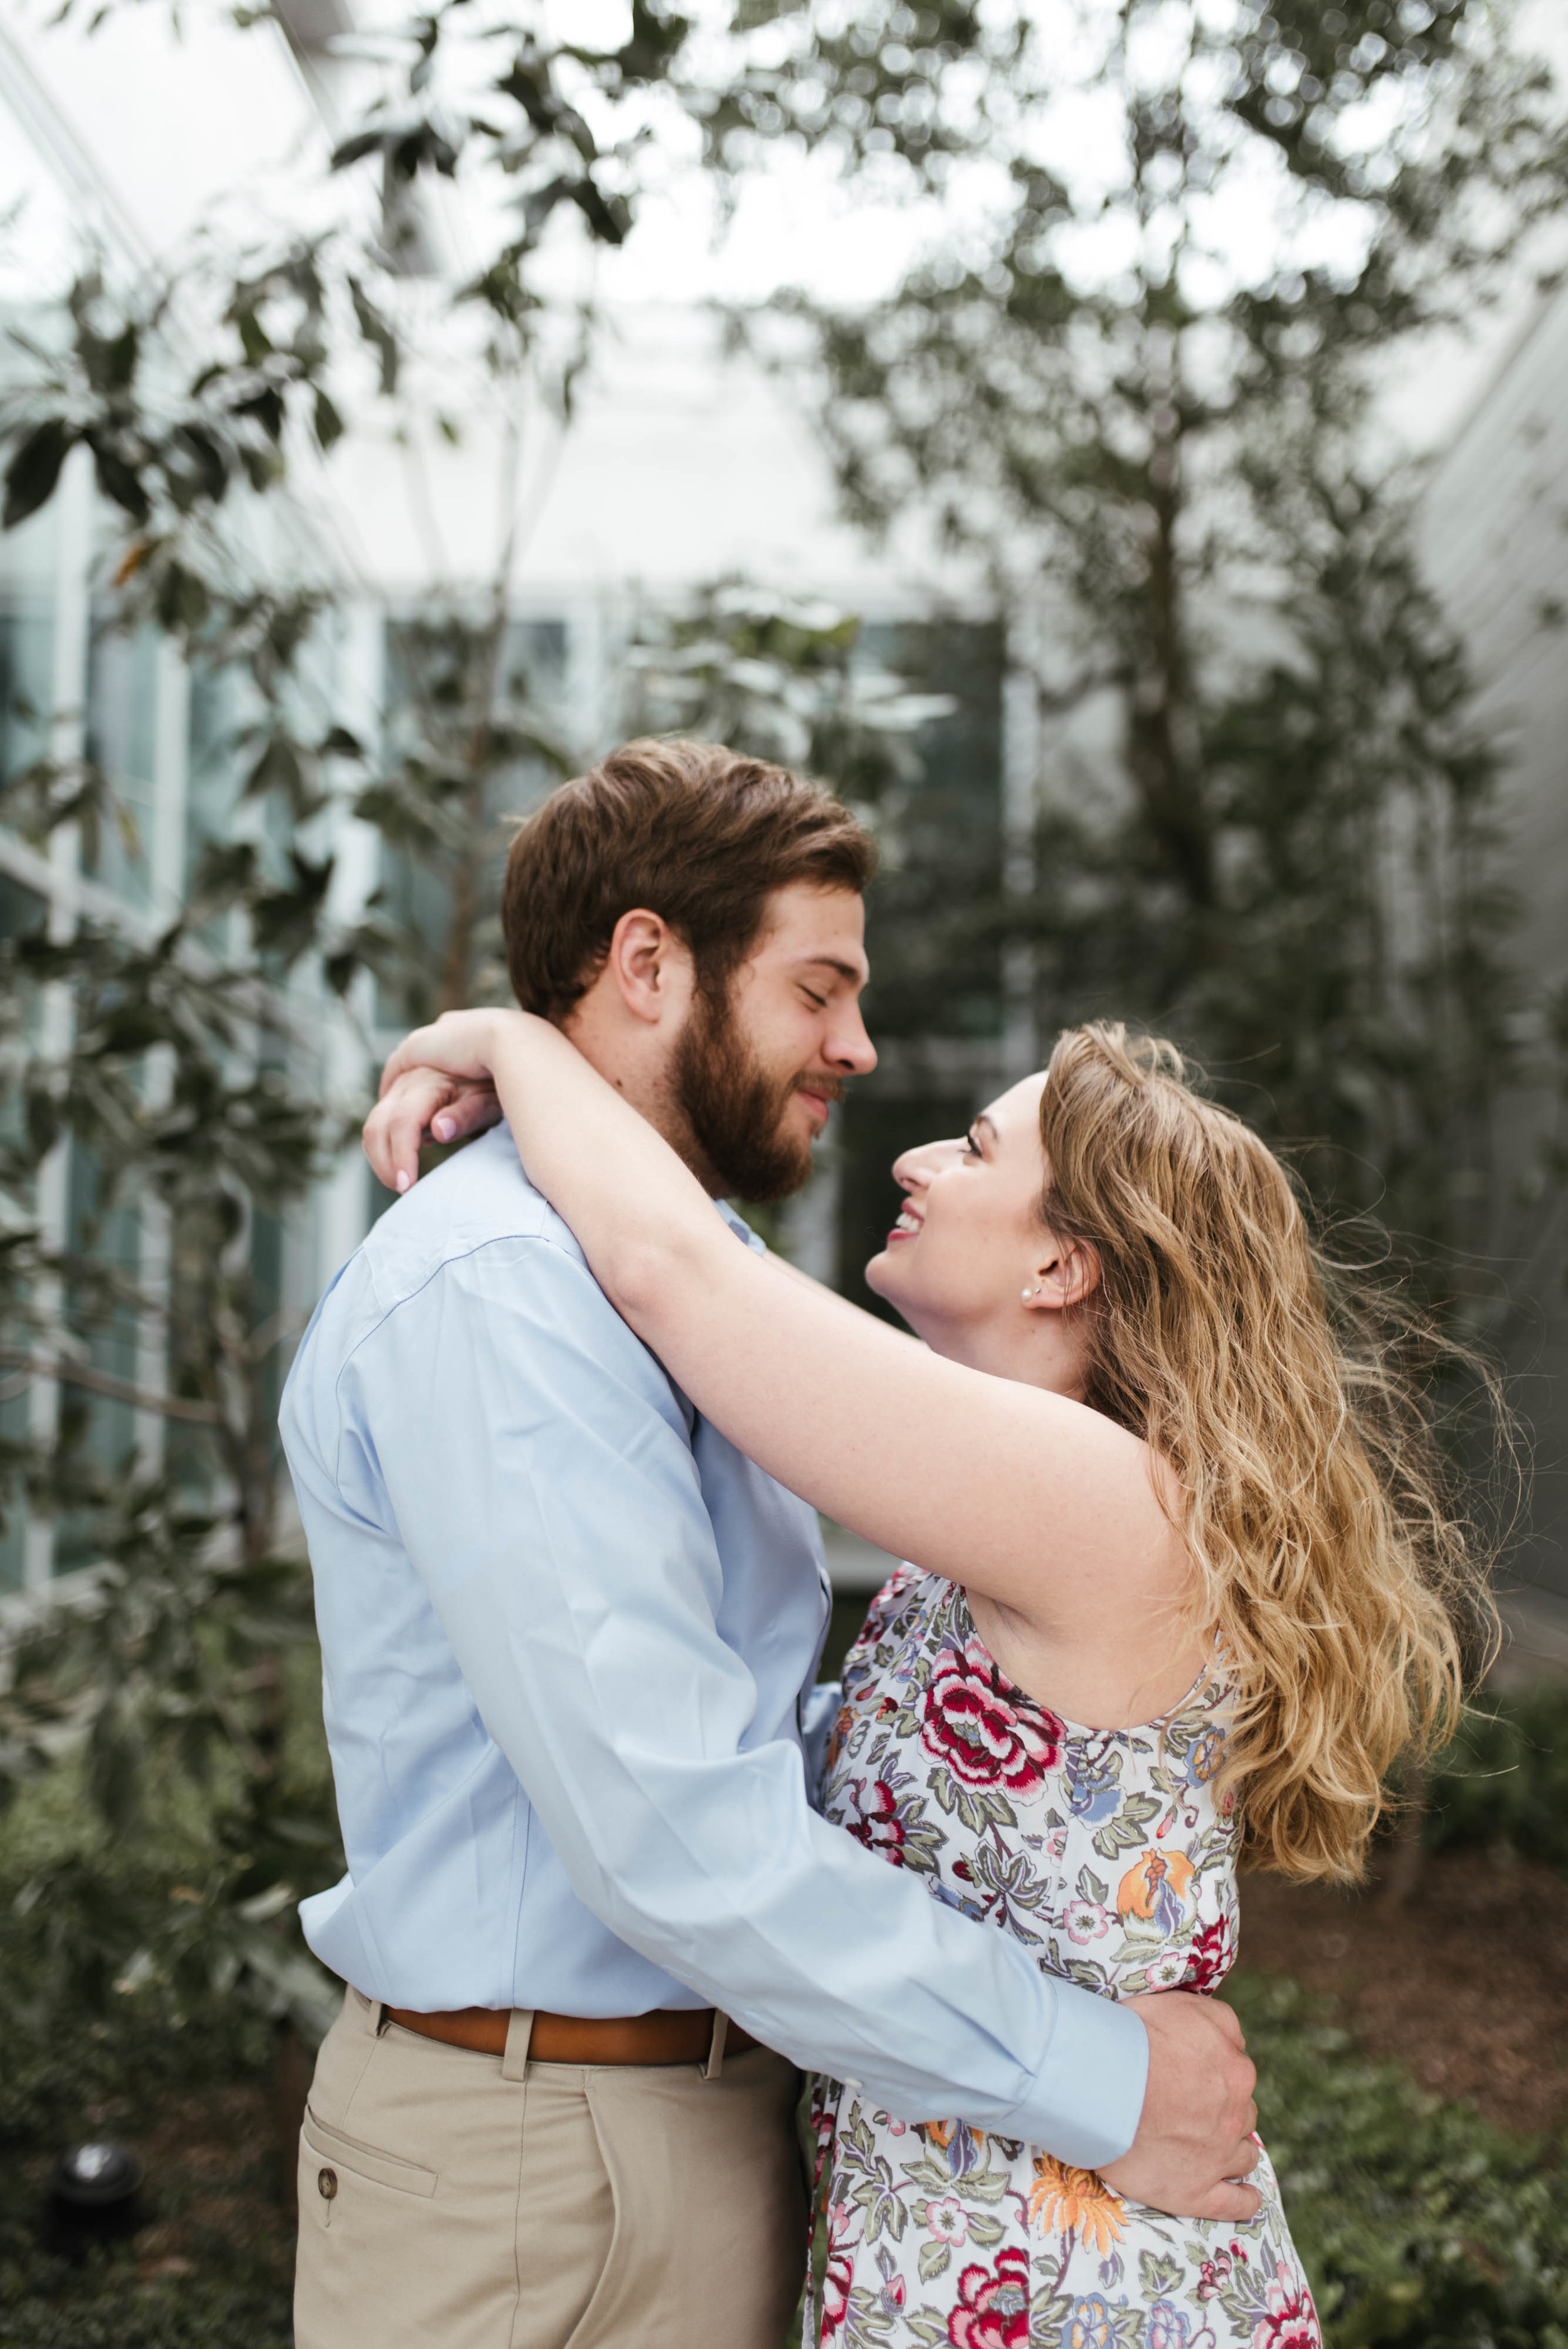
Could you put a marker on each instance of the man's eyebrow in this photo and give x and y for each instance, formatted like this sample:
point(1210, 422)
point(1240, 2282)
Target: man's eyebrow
point(849, 970)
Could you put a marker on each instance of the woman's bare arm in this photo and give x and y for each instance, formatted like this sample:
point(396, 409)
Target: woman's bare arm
point(1025, 1497)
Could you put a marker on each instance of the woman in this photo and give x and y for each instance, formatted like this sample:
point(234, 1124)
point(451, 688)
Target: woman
point(1180, 1590)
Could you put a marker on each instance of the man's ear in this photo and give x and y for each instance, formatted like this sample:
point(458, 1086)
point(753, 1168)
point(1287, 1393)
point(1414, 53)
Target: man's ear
point(649, 967)
point(1069, 1274)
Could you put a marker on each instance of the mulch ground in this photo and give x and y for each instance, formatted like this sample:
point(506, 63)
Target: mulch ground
point(1464, 1980)
point(222, 2179)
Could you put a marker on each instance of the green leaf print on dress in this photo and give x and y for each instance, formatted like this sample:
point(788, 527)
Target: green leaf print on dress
point(1104, 1853)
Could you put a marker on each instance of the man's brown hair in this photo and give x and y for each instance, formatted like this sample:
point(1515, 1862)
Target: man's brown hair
point(691, 830)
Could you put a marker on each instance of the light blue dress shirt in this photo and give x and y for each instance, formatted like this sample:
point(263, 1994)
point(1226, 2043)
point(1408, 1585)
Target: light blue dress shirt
point(569, 1636)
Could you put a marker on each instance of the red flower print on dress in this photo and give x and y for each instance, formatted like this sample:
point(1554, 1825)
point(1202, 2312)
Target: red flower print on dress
point(843, 2239)
point(1211, 1954)
point(871, 1814)
point(824, 2123)
point(993, 2310)
point(986, 1738)
point(1292, 2321)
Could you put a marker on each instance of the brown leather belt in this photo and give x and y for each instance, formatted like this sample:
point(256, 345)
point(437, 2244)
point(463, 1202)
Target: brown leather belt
point(667, 2035)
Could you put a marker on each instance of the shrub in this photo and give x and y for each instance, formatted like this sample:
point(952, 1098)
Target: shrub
point(1504, 1780)
point(1419, 2222)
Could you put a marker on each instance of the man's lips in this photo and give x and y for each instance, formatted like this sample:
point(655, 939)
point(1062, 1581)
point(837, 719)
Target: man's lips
point(820, 1095)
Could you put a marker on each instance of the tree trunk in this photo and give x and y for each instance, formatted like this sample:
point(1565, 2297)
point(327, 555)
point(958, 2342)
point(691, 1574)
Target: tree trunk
point(292, 2070)
point(1399, 1875)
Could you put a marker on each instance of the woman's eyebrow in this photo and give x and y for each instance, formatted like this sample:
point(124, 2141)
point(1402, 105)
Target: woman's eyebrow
point(988, 1122)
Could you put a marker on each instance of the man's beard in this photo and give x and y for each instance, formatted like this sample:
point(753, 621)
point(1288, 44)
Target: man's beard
point(736, 1109)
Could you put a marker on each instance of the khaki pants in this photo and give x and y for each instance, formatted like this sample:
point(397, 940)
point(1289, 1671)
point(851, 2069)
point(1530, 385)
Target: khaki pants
point(445, 2204)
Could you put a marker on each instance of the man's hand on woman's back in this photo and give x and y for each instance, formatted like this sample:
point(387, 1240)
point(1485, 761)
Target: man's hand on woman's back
point(1194, 2145)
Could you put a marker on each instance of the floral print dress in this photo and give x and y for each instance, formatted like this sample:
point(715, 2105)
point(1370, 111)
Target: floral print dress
point(1105, 1853)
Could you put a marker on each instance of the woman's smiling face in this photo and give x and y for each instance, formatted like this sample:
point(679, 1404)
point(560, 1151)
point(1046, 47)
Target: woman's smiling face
point(970, 1238)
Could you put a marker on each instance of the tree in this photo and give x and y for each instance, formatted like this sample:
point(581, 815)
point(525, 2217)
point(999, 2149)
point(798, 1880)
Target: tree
point(204, 1070)
point(189, 1065)
point(1137, 387)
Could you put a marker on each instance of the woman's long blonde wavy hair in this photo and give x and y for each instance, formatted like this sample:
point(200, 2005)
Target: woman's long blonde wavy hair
point(1346, 1593)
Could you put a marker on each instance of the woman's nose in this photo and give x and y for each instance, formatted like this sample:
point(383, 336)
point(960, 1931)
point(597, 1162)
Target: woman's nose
point(916, 1167)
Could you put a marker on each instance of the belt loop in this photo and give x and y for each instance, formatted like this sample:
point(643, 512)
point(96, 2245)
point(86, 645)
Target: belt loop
point(518, 2032)
point(380, 2016)
point(372, 2015)
point(715, 2064)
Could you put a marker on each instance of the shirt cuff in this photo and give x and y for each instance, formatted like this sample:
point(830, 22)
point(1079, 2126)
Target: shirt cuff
point(1088, 2097)
point(819, 1712)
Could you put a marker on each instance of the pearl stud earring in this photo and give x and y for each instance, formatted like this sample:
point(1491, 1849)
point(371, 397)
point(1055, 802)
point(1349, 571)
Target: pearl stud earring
point(1026, 1293)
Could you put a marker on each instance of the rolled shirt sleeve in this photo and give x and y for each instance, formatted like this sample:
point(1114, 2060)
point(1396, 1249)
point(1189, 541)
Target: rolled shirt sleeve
point(564, 1543)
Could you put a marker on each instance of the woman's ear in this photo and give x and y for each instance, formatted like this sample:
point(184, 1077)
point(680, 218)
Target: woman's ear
point(1068, 1275)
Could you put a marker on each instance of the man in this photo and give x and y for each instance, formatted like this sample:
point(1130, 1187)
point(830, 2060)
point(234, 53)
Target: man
point(569, 1638)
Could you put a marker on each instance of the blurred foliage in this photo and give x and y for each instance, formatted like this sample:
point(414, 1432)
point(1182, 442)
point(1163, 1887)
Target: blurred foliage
point(781, 678)
point(50, 2304)
point(1268, 808)
point(1417, 2221)
point(1503, 1784)
point(87, 2050)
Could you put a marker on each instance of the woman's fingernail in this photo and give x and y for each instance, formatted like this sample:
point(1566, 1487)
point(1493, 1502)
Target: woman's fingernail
point(442, 1129)
point(402, 1178)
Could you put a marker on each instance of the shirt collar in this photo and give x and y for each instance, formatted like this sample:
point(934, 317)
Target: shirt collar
point(740, 1227)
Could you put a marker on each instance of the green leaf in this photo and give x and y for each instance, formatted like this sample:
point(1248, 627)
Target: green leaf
point(31, 475)
point(1125, 1830)
point(211, 467)
point(117, 478)
point(278, 769)
point(264, 407)
point(354, 149)
point(328, 422)
point(935, 2259)
point(1158, 2272)
point(375, 330)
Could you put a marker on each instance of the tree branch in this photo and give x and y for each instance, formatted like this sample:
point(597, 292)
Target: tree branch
point(74, 1374)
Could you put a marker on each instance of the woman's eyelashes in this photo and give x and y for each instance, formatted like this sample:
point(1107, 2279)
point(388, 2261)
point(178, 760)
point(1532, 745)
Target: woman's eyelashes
point(970, 1146)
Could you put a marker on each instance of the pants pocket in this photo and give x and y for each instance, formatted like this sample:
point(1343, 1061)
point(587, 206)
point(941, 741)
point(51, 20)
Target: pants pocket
point(325, 2154)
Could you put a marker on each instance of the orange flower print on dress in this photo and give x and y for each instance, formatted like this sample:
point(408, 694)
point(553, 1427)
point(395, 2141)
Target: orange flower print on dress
point(1111, 1859)
point(1075, 2202)
point(1156, 1889)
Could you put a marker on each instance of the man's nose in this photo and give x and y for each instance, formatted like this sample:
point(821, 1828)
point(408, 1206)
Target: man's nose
point(849, 1049)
